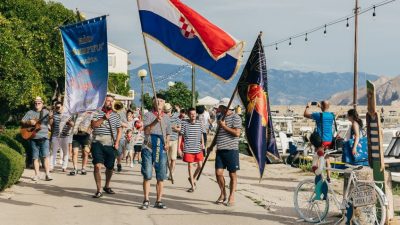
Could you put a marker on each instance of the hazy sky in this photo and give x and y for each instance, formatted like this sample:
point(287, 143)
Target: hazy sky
point(379, 37)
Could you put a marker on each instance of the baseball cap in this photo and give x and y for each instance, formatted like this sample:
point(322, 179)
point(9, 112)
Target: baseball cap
point(225, 102)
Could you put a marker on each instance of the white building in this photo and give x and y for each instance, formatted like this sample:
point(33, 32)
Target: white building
point(117, 59)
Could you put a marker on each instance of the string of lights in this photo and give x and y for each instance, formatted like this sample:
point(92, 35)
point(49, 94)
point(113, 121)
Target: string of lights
point(166, 77)
point(324, 27)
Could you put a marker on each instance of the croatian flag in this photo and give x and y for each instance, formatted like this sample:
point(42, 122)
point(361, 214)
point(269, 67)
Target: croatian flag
point(191, 37)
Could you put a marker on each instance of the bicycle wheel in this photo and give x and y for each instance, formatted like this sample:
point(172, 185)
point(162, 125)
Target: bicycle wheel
point(310, 210)
point(379, 217)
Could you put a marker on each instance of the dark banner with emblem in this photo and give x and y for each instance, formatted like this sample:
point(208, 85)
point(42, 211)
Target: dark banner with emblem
point(253, 91)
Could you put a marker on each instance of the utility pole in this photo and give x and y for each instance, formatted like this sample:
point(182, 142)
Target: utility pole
point(193, 87)
point(355, 56)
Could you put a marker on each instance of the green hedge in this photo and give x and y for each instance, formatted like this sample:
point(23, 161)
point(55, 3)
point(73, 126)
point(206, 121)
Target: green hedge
point(15, 134)
point(12, 143)
point(11, 166)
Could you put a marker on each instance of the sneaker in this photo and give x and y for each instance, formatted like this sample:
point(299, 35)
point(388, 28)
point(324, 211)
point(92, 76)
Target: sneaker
point(60, 162)
point(73, 172)
point(119, 167)
point(48, 178)
point(145, 205)
point(160, 205)
point(131, 165)
point(83, 172)
point(35, 178)
point(97, 195)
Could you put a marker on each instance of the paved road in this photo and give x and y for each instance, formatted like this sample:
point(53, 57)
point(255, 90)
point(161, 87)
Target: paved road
point(67, 200)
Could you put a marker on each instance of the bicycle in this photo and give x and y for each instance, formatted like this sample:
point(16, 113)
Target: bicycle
point(357, 193)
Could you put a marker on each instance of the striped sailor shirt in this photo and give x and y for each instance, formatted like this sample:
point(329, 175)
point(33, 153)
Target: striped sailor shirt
point(225, 140)
point(192, 133)
point(104, 128)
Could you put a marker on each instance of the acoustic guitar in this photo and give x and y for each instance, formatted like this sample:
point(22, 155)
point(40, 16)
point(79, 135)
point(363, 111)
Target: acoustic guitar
point(29, 131)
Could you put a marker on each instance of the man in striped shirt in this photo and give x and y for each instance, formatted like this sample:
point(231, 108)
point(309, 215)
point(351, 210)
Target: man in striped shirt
point(192, 131)
point(173, 139)
point(106, 125)
point(60, 139)
point(227, 156)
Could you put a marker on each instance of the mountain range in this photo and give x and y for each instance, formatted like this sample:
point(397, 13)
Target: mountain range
point(286, 87)
point(387, 93)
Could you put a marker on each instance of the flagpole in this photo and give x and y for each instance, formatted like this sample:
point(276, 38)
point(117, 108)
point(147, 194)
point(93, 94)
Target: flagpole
point(155, 94)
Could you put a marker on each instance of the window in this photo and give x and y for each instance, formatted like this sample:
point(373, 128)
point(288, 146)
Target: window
point(111, 61)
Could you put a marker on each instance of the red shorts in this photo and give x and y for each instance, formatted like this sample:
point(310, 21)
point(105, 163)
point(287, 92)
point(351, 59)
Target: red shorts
point(193, 157)
point(327, 144)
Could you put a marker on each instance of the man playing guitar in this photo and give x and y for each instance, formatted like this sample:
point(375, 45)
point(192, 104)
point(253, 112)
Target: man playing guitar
point(39, 142)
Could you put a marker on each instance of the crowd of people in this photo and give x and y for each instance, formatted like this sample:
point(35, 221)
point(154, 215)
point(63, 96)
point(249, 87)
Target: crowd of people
point(155, 140)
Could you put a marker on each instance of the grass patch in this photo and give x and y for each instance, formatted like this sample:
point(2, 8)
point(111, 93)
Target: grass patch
point(396, 188)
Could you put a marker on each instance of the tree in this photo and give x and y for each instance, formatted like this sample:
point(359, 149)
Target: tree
point(179, 94)
point(148, 101)
point(20, 82)
point(118, 83)
point(31, 52)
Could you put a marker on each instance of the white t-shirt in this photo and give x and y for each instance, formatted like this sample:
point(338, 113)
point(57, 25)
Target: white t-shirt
point(204, 119)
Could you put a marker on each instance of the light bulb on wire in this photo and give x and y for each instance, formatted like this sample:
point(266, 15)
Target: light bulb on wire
point(374, 13)
point(306, 39)
point(290, 42)
point(276, 46)
point(325, 30)
point(347, 24)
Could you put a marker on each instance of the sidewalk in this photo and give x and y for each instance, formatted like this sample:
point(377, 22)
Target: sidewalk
point(67, 200)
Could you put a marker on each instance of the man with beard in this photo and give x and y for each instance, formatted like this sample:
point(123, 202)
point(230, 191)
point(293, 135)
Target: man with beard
point(106, 126)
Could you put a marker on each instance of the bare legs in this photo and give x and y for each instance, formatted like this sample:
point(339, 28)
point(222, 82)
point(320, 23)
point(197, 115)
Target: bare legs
point(232, 185)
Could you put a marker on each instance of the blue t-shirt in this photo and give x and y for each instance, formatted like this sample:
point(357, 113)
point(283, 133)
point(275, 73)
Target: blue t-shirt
point(327, 124)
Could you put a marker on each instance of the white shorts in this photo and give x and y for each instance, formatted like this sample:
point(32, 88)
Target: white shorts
point(173, 150)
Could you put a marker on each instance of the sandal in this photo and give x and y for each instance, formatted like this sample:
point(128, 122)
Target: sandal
point(108, 190)
point(191, 182)
point(73, 172)
point(191, 190)
point(160, 205)
point(83, 172)
point(220, 201)
point(145, 205)
point(230, 204)
point(98, 195)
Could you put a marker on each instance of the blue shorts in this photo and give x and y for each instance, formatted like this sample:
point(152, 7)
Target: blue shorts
point(227, 159)
point(148, 162)
point(121, 147)
point(40, 148)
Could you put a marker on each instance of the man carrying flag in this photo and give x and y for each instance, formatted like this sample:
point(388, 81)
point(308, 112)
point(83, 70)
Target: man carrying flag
point(227, 156)
point(253, 91)
point(190, 36)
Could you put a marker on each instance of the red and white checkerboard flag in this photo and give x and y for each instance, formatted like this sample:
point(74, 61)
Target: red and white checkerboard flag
point(191, 37)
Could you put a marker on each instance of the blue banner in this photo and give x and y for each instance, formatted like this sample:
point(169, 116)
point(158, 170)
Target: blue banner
point(86, 65)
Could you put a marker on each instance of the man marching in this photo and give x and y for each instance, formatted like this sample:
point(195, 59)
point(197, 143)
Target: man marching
point(192, 131)
point(154, 150)
point(39, 143)
point(106, 125)
point(227, 156)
